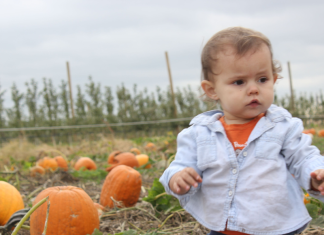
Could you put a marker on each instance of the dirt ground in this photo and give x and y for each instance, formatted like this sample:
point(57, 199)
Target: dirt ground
point(141, 217)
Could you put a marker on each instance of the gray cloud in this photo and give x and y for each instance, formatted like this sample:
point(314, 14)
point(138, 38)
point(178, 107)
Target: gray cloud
point(124, 41)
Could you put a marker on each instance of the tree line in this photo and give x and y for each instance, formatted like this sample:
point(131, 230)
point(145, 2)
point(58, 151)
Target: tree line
point(94, 104)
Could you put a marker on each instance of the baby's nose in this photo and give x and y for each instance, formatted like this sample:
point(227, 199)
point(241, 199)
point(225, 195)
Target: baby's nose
point(253, 89)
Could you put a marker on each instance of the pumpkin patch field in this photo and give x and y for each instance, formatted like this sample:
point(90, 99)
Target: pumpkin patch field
point(109, 186)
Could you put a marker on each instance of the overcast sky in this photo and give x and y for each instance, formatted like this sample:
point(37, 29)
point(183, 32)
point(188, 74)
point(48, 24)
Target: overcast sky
point(120, 41)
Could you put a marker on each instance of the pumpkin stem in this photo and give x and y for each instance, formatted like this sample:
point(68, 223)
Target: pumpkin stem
point(111, 158)
point(46, 221)
point(22, 221)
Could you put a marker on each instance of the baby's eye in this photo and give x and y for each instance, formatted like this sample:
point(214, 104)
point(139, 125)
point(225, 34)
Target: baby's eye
point(263, 80)
point(238, 82)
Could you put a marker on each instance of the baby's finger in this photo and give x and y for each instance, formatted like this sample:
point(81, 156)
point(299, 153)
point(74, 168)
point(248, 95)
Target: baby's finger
point(318, 174)
point(194, 175)
point(182, 185)
point(190, 180)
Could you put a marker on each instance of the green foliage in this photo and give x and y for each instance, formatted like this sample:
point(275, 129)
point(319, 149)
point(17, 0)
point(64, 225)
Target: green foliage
point(160, 200)
point(90, 175)
point(128, 232)
point(3, 179)
point(313, 210)
point(50, 106)
point(319, 143)
point(316, 210)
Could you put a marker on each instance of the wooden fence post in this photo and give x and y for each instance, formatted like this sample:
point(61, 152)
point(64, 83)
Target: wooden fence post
point(292, 106)
point(70, 86)
point(171, 86)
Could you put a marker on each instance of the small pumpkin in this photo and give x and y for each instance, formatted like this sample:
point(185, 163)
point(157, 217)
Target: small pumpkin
point(305, 199)
point(37, 170)
point(150, 147)
point(10, 201)
point(117, 158)
point(61, 162)
point(48, 163)
point(142, 160)
point(321, 133)
point(86, 163)
point(136, 151)
point(99, 208)
point(72, 212)
point(123, 183)
point(311, 131)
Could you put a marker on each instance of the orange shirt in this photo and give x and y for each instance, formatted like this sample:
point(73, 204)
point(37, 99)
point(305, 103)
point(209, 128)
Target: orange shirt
point(238, 135)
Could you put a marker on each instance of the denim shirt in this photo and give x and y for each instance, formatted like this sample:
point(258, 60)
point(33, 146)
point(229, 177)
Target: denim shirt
point(254, 192)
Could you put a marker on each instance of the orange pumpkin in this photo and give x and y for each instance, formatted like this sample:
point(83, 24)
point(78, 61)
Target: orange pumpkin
point(309, 131)
point(135, 151)
point(37, 170)
point(85, 162)
point(61, 162)
point(48, 163)
point(99, 208)
point(142, 160)
point(123, 183)
point(321, 133)
point(117, 158)
point(10, 201)
point(150, 147)
point(305, 199)
point(111, 158)
point(72, 212)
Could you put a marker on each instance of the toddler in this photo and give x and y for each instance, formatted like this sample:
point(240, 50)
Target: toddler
point(233, 167)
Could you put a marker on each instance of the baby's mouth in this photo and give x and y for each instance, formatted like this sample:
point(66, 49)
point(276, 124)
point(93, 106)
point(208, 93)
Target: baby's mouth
point(254, 102)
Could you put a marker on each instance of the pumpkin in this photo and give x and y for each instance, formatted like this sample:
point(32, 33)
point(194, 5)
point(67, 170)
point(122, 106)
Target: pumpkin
point(321, 133)
point(61, 162)
point(86, 163)
point(112, 155)
point(71, 212)
point(123, 183)
point(117, 158)
point(135, 151)
point(99, 208)
point(142, 160)
point(305, 199)
point(37, 170)
point(48, 163)
point(150, 146)
point(10, 201)
point(311, 131)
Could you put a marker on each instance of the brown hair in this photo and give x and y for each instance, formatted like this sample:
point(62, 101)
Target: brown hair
point(241, 39)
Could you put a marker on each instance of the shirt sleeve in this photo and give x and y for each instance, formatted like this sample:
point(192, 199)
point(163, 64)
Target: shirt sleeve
point(186, 156)
point(301, 157)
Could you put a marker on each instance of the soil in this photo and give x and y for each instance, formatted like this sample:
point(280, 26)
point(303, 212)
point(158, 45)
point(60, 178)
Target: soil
point(142, 217)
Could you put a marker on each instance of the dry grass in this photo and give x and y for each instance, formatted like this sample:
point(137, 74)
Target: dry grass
point(22, 150)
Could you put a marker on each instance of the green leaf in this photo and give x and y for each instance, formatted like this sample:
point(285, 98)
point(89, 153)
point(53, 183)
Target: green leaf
point(128, 232)
point(93, 175)
point(322, 208)
point(312, 210)
point(166, 203)
point(96, 232)
point(318, 221)
point(3, 179)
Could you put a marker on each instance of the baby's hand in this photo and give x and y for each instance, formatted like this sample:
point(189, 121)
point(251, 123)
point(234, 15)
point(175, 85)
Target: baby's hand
point(181, 181)
point(318, 180)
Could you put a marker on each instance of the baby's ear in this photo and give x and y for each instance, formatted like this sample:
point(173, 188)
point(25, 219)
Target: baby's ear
point(209, 89)
point(275, 77)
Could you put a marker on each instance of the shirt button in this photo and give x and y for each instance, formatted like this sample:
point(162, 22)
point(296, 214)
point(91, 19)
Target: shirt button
point(234, 171)
point(230, 193)
point(244, 154)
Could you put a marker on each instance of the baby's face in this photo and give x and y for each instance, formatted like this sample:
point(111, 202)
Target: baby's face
point(244, 85)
